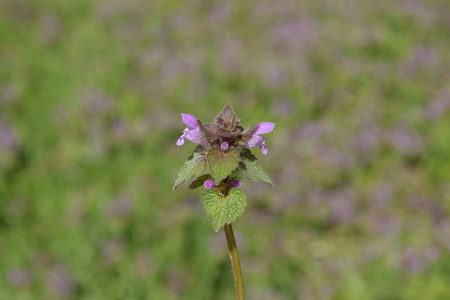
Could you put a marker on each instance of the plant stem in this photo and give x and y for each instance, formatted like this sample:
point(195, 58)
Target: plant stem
point(235, 264)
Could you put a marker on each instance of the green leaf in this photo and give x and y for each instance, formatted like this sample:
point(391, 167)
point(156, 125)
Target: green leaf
point(252, 169)
point(193, 167)
point(199, 181)
point(223, 210)
point(222, 162)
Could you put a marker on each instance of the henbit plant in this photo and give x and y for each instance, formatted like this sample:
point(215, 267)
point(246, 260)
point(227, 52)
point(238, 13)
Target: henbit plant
point(218, 162)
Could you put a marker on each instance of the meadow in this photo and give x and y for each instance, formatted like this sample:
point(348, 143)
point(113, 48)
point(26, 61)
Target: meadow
point(91, 93)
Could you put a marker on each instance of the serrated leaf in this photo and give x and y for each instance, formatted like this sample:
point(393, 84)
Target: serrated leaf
point(222, 162)
point(193, 167)
point(199, 181)
point(223, 210)
point(252, 169)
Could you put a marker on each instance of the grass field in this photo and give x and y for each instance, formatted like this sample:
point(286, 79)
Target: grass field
point(90, 99)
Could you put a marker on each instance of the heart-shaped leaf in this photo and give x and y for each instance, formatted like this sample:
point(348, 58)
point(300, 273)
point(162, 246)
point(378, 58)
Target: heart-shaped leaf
point(223, 210)
point(222, 162)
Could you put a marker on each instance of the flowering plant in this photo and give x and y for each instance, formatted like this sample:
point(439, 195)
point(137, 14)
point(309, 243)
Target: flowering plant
point(222, 156)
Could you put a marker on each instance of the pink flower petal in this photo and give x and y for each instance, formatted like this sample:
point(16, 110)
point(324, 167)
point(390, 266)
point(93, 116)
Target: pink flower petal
point(189, 120)
point(255, 141)
point(194, 135)
point(264, 149)
point(264, 127)
point(180, 141)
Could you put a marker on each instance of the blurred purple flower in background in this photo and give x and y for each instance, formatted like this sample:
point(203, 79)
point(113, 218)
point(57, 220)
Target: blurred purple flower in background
point(119, 208)
point(144, 263)
point(111, 250)
point(9, 143)
point(96, 102)
point(421, 60)
point(176, 280)
point(8, 93)
point(60, 282)
point(405, 140)
point(366, 140)
point(413, 261)
point(8, 138)
point(295, 34)
point(19, 278)
point(438, 107)
point(380, 195)
point(342, 207)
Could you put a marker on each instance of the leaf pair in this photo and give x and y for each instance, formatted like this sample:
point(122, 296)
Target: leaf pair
point(222, 163)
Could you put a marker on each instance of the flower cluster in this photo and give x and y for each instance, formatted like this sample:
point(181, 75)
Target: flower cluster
point(225, 132)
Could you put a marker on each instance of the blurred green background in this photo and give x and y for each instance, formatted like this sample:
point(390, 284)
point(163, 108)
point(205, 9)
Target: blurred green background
point(90, 99)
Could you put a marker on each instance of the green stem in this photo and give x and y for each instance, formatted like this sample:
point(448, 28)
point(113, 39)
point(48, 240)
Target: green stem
point(235, 264)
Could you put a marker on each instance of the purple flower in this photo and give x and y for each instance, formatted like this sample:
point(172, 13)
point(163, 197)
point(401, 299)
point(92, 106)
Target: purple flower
point(192, 132)
point(256, 140)
point(224, 145)
point(236, 183)
point(209, 184)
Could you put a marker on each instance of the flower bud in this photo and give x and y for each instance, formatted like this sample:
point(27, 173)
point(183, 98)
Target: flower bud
point(209, 184)
point(236, 183)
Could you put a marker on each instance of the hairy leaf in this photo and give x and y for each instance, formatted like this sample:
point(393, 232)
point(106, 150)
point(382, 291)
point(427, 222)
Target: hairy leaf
point(193, 167)
point(252, 169)
point(223, 210)
point(222, 162)
point(227, 118)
